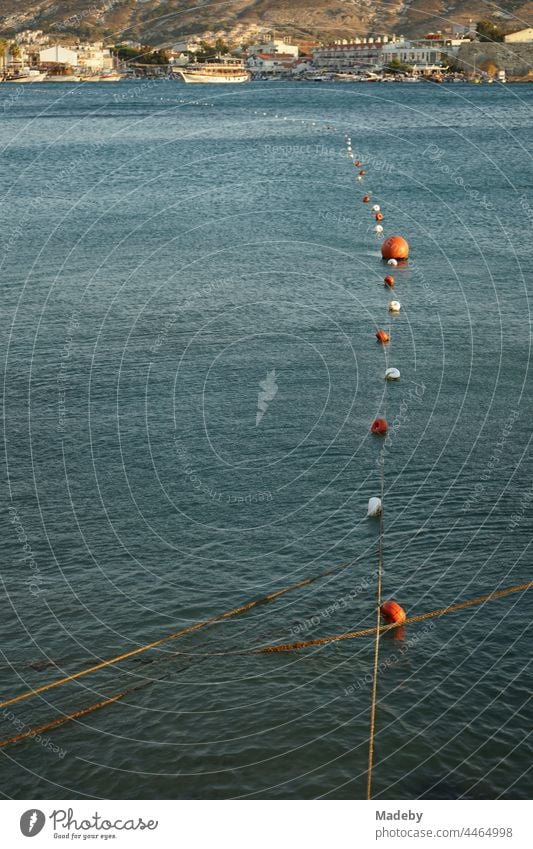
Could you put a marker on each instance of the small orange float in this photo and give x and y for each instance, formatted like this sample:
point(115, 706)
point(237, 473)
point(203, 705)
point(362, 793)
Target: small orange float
point(362, 173)
point(389, 281)
point(357, 164)
point(395, 247)
point(391, 612)
point(383, 337)
point(366, 199)
point(379, 427)
point(379, 216)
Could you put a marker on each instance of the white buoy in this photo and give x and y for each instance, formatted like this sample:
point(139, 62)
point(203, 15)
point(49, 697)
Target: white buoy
point(374, 506)
point(392, 374)
point(359, 178)
point(376, 207)
point(378, 228)
point(394, 306)
point(392, 262)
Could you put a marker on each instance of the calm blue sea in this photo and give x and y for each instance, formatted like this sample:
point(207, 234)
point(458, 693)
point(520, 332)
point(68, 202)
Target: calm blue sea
point(172, 256)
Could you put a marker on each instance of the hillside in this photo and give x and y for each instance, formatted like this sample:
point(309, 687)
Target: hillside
point(159, 22)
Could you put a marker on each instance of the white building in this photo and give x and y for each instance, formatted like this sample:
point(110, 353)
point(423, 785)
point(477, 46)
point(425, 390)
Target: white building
point(276, 45)
point(94, 57)
point(523, 36)
point(423, 58)
point(86, 57)
point(58, 55)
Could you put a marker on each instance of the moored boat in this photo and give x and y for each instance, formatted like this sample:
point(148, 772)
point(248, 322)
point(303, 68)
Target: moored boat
point(26, 76)
point(220, 71)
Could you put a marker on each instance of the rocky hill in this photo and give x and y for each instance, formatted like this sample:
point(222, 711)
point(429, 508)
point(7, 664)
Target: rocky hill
point(160, 22)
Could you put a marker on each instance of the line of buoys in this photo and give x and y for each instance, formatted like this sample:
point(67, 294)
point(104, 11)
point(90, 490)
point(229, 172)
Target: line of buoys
point(379, 427)
point(374, 506)
point(395, 247)
point(383, 337)
point(391, 612)
point(392, 374)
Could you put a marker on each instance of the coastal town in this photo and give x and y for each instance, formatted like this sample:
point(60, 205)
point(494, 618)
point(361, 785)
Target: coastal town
point(472, 53)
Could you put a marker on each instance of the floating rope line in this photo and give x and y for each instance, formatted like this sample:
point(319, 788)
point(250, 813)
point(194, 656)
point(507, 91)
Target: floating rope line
point(243, 608)
point(62, 720)
point(411, 620)
point(381, 546)
point(268, 649)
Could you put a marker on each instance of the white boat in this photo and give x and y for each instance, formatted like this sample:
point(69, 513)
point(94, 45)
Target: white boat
point(221, 71)
point(103, 78)
point(62, 78)
point(29, 76)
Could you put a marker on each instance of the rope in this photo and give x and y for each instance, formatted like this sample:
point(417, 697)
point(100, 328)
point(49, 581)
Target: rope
point(32, 732)
point(365, 632)
point(189, 630)
point(268, 649)
point(381, 544)
point(376, 648)
point(62, 720)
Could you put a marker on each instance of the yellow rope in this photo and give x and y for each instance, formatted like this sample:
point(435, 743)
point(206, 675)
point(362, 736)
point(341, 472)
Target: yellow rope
point(203, 624)
point(365, 632)
point(350, 635)
point(376, 651)
point(60, 721)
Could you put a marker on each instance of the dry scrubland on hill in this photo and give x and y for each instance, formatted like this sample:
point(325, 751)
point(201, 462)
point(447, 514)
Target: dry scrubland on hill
point(159, 21)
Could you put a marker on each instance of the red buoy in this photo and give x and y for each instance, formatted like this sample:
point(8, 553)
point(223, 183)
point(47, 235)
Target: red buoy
point(362, 173)
point(357, 164)
point(366, 199)
point(383, 337)
point(379, 427)
point(389, 281)
point(391, 612)
point(395, 247)
point(379, 216)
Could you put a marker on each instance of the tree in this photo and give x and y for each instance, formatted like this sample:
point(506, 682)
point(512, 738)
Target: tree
point(14, 50)
point(397, 67)
point(3, 51)
point(221, 46)
point(487, 31)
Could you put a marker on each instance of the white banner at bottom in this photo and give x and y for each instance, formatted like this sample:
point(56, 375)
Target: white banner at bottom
point(267, 824)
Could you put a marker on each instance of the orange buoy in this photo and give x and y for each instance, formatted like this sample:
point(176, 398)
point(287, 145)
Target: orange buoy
point(382, 336)
point(379, 216)
point(366, 199)
point(362, 172)
point(395, 247)
point(389, 281)
point(391, 612)
point(357, 164)
point(379, 427)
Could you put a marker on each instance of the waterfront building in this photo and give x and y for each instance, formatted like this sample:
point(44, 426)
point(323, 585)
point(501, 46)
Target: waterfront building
point(279, 46)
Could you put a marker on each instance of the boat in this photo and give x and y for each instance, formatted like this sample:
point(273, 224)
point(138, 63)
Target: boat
point(62, 78)
point(220, 71)
point(26, 76)
point(103, 78)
